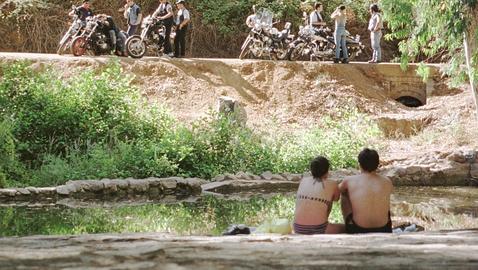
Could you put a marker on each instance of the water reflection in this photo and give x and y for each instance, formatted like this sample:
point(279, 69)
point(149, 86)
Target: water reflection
point(432, 207)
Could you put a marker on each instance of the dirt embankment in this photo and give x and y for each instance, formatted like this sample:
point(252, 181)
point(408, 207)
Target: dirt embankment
point(297, 95)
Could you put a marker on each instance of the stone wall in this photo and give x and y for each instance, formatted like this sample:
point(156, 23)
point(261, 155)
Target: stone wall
point(107, 189)
point(459, 168)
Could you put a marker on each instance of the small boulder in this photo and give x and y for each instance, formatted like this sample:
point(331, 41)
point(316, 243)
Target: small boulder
point(138, 186)
point(169, 183)
point(219, 178)
point(267, 175)
point(64, 190)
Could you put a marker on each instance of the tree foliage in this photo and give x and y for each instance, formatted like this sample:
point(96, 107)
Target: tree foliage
point(431, 28)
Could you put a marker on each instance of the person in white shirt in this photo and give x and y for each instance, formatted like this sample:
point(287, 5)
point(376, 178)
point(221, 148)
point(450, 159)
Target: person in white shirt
point(165, 14)
point(251, 19)
point(182, 20)
point(375, 27)
point(315, 18)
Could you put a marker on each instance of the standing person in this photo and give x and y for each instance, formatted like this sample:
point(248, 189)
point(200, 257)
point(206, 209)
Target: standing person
point(315, 197)
point(375, 27)
point(165, 14)
point(251, 19)
point(315, 18)
point(133, 16)
point(83, 12)
point(182, 21)
point(340, 36)
point(366, 197)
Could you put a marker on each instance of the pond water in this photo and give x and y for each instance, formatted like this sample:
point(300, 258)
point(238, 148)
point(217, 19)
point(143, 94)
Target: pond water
point(432, 207)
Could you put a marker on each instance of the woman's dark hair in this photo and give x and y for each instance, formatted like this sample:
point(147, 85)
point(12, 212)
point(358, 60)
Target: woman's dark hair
point(319, 167)
point(342, 7)
point(368, 160)
point(317, 5)
point(374, 8)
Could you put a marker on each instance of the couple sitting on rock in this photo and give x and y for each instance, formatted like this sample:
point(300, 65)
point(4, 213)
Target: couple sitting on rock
point(365, 199)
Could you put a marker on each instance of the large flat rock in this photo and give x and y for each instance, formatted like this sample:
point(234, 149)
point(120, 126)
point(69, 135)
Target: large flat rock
point(439, 250)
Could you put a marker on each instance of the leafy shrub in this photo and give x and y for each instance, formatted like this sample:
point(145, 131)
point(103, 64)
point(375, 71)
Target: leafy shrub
point(95, 125)
point(51, 114)
point(9, 164)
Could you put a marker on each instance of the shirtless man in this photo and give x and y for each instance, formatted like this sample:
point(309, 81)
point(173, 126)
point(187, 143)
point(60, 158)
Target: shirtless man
point(366, 197)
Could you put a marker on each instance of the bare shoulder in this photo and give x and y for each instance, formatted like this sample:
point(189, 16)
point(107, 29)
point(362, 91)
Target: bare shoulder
point(332, 183)
point(387, 181)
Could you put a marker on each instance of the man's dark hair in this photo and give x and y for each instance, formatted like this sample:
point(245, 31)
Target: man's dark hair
point(342, 7)
point(317, 5)
point(374, 8)
point(319, 167)
point(86, 1)
point(368, 160)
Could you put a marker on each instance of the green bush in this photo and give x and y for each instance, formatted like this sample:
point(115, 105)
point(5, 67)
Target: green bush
point(229, 16)
point(9, 165)
point(95, 125)
point(51, 114)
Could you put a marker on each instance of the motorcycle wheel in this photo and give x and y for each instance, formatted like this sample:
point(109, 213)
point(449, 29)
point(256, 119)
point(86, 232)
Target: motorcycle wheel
point(295, 54)
point(135, 47)
point(78, 46)
point(352, 54)
point(63, 45)
point(245, 51)
point(281, 53)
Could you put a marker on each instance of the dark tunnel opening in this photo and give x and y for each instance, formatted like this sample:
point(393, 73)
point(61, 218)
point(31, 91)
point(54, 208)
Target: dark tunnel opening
point(410, 101)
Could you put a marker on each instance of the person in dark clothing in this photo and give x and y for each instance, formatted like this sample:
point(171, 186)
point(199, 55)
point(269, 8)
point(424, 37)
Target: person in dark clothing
point(165, 14)
point(182, 20)
point(109, 28)
point(83, 12)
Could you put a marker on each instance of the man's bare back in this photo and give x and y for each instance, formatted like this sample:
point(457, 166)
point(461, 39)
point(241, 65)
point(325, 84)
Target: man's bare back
point(369, 195)
point(366, 197)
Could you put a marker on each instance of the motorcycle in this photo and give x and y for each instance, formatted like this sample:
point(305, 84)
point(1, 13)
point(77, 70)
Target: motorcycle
point(265, 41)
point(75, 28)
point(93, 39)
point(310, 45)
point(152, 36)
point(319, 44)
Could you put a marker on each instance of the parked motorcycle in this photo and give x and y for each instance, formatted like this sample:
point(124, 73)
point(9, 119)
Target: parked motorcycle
point(310, 45)
point(319, 44)
point(93, 39)
point(75, 28)
point(152, 37)
point(265, 41)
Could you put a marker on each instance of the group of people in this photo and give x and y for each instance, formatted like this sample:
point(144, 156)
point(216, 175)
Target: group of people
point(133, 14)
point(340, 17)
point(365, 199)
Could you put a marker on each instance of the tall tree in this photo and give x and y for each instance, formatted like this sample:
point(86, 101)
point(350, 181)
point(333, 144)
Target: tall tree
point(438, 28)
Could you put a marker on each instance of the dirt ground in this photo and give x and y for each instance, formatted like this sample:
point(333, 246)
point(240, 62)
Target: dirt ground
point(293, 96)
